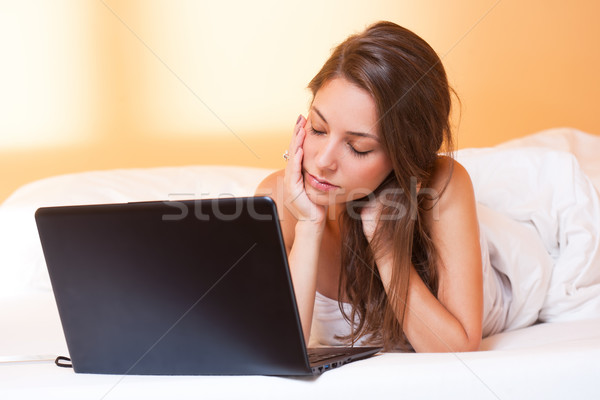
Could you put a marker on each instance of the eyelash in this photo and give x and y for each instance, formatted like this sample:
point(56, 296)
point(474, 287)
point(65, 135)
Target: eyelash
point(354, 151)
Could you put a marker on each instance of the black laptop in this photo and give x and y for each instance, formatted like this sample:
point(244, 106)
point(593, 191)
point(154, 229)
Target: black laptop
point(196, 287)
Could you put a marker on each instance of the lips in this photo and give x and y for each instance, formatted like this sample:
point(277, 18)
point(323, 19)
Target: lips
point(320, 184)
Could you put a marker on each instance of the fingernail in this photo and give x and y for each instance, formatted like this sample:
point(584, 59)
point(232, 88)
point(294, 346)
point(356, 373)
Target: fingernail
point(299, 119)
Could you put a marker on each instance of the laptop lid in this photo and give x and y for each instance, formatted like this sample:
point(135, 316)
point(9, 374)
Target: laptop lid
point(175, 287)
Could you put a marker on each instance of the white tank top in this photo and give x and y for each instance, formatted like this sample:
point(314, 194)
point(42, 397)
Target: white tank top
point(328, 321)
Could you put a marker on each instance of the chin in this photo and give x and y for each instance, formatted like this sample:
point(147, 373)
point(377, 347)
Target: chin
point(321, 198)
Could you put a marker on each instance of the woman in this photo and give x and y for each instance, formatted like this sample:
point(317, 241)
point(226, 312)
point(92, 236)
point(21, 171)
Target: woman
point(372, 217)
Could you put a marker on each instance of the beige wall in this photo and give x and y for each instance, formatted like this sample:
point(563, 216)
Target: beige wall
point(116, 84)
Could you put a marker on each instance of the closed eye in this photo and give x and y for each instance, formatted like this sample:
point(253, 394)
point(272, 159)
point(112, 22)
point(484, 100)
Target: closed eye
point(315, 132)
point(354, 151)
point(358, 153)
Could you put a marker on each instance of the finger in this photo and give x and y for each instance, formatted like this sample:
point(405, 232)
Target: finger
point(297, 133)
point(298, 156)
point(293, 146)
point(300, 139)
point(299, 124)
point(290, 166)
point(293, 168)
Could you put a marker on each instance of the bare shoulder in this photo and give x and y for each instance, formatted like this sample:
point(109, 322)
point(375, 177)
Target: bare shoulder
point(449, 197)
point(272, 186)
point(452, 181)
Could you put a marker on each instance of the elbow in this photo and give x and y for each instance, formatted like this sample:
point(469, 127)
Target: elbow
point(464, 343)
point(470, 343)
point(457, 345)
point(469, 339)
point(462, 346)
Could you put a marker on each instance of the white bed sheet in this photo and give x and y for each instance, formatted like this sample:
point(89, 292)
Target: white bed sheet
point(552, 361)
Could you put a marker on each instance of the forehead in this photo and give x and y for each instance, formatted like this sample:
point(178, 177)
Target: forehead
point(347, 107)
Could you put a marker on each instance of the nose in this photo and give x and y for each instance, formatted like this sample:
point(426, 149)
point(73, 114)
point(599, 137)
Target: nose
point(327, 157)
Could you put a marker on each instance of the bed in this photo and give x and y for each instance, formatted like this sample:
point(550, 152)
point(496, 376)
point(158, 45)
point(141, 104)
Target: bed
point(556, 359)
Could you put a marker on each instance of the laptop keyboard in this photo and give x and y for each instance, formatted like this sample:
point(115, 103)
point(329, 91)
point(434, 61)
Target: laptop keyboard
point(315, 357)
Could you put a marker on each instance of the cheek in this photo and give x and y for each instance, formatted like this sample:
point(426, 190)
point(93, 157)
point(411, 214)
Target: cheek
point(371, 176)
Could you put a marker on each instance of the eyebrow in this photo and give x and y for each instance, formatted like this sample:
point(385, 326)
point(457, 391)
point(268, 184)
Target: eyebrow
point(361, 134)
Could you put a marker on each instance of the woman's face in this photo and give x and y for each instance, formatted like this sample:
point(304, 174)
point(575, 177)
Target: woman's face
point(343, 157)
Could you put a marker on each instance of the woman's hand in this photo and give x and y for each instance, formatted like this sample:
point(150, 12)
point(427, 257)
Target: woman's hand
point(308, 233)
point(295, 194)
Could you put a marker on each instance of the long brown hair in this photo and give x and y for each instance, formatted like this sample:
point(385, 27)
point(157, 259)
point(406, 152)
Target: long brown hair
point(407, 81)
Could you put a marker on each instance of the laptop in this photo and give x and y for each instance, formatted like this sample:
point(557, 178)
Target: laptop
point(195, 287)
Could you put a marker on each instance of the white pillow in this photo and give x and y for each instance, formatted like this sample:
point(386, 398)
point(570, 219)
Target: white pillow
point(22, 265)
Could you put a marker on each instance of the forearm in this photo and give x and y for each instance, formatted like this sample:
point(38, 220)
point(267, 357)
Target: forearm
point(428, 325)
point(303, 260)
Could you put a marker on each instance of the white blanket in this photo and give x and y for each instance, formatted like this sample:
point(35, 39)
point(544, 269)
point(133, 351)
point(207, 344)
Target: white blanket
point(541, 216)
